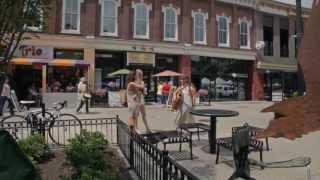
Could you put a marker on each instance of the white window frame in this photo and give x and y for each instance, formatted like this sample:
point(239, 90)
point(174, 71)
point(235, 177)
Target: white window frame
point(249, 25)
point(149, 8)
point(205, 16)
point(102, 33)
point(228, 19)
point(177, 12)
point(68, 31)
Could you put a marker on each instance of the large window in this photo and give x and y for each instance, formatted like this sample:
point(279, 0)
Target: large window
point(141, 20)
point(284, 37)
point(223, 31)
point(244, 36)
point(71, 16)
point(170, 23)
point(268, 35)
point(109, 17)
point(199, 27)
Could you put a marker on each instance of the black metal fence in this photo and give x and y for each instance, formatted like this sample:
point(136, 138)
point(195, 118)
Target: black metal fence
point(63, 130)
point(149, 162)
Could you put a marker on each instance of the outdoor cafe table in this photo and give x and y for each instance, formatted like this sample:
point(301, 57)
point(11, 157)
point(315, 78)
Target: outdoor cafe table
point(213, 114)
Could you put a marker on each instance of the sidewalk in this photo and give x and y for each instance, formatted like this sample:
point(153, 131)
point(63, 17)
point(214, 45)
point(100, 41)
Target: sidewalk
point(204, 165)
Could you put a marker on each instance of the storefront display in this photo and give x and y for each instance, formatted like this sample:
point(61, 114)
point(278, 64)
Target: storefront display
point(39, 72)
point(225, 79)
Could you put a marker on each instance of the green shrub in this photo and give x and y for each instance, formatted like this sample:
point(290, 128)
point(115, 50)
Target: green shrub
point(35, 147)
point(90, 157)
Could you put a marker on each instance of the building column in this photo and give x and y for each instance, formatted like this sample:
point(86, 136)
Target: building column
point(44, 80)
point(257, 83)
point(157, 15)
point(186, 29)
point(212, 26)
point(185, 65)
point(234, 29)
point(89, 57)
point(276, 36)
point(292, 44)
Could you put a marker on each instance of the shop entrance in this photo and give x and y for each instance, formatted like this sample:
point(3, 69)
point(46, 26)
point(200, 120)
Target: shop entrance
point(24, 78)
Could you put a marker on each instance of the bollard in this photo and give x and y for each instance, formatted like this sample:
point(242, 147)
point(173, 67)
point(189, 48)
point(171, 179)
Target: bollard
point(165, 165)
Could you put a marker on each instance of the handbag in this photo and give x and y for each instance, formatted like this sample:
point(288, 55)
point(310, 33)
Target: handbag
point(178, 100)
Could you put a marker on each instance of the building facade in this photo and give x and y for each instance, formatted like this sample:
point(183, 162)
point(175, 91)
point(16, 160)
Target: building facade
point(212, 41)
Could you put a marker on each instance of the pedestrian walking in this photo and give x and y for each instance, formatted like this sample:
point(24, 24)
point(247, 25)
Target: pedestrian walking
point(165, 91)
point(159, 93)
point(185, 97)
point(5, 97)
point(83, 95)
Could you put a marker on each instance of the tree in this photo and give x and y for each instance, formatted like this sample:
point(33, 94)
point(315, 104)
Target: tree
point(16, 16)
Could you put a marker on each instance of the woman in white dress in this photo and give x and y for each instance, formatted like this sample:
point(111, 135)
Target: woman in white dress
point(187, 94)
point(135, 101)
point(141, 93)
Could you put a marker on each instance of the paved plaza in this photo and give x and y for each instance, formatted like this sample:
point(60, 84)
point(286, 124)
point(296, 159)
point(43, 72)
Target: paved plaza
point(204, 165)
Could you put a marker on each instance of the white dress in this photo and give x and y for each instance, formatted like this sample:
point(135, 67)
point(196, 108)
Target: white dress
point(186, 107)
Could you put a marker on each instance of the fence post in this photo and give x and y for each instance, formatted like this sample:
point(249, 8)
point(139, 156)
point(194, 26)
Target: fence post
point(117, 128)
point(165, 154)
point(131, 148)
point(42, 128)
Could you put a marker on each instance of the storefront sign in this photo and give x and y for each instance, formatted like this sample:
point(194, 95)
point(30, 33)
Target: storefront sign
point(141, 58)
point(28, 51)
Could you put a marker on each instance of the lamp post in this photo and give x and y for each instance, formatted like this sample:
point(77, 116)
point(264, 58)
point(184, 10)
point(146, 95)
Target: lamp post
point(299, 26)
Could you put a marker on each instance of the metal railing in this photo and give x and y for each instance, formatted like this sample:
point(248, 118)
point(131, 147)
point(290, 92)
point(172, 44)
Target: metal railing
point(63, 130)
point(148, 161)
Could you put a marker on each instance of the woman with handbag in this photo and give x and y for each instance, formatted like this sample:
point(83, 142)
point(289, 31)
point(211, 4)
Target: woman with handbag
point(184, 100)
point(83, 94)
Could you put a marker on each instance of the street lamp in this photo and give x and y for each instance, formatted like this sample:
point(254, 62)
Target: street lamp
point(299, 35)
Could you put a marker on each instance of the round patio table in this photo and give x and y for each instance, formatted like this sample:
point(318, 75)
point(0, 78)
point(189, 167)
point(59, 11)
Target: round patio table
point(213, 114)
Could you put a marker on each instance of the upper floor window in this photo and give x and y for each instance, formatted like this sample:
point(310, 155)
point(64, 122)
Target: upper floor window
point(199, 27)
point(244, 34)
point(170, 23)
point(223, 31)
point(141, 20)
point(109, 17)
point(71, 16)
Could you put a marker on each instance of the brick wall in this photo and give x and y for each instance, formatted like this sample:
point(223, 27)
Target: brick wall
point(91, 19)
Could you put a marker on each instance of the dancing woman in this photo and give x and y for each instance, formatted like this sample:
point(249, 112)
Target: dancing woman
point(186, 94)
point(135, 103)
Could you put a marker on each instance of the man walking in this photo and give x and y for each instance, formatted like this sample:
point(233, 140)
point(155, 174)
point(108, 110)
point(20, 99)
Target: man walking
point(5, 96)
point(83, 94)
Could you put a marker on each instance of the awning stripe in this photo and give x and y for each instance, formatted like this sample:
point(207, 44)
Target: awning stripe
point(68, 63)
point(54, 62)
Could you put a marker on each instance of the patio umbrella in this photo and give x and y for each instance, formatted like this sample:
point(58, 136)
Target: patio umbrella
point(120, 72)
point(168, 73)
point(301, 115)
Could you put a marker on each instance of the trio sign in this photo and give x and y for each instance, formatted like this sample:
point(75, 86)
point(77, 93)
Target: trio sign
point(36, 52)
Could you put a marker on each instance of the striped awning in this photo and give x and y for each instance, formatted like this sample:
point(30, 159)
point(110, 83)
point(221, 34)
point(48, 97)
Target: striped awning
point(29, 61)
point(68, 63)
point(54, 62)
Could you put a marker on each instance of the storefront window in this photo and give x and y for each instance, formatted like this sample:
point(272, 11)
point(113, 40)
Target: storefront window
point(68, 54)
point(64, 79)
point(106, 63)
point(225, 79)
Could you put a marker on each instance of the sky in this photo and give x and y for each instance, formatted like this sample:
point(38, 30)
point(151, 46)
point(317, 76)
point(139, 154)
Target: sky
point(305, 3)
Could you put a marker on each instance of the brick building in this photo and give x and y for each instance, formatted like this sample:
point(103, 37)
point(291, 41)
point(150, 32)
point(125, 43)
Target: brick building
point(209, 40)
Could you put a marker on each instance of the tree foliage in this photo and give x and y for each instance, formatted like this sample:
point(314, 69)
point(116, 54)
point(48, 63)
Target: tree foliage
point(16, 16)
